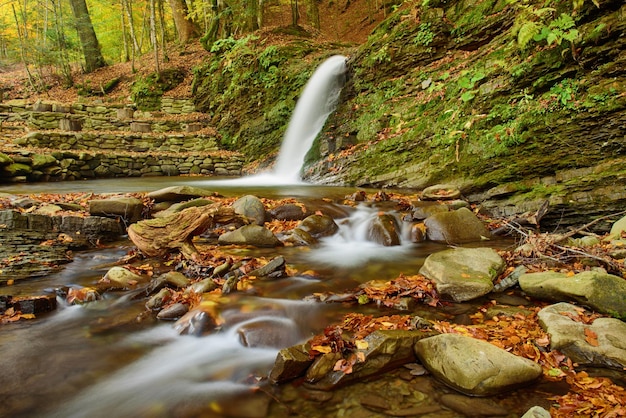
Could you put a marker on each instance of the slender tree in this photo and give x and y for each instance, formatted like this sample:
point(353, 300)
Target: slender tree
point(87, 36)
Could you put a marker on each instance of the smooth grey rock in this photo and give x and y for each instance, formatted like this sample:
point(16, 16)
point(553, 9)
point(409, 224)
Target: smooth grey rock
point(441, 192)
point(251, 207)
point(568, 336)
point(536, 412)
point(318, 226)
point(463, 273)
point(289, 212)
point(173, 312)
point(255, 235)
point(383, 230)
point(474, 367)
point(455, 227)
point(597, 289)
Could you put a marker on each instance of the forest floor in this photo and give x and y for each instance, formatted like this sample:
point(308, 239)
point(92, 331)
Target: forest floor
point(346, 21)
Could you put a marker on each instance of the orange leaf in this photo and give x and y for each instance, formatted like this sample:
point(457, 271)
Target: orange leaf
point(591, 337)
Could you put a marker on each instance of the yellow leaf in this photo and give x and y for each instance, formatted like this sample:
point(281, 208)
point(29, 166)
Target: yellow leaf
point(361, 344)
point(324, 349)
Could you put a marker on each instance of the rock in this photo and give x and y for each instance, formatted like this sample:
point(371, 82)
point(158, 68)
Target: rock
point(119, 277)
point(255, 235)
point(156, 302)
point(289, 212)
point(127, 208)
point(203, 286)
point(597, 289)
point(17, 169)
point(178, 194)
point(298, 237)
point(32, 304)
point(251, 207)
point(463, 273)
point(197, 322)
point(441, 192)
point(478, 407)
point(474, 367)
point(5, 159)
point(455, 227)
point(291, 363)
point(382, 350)
point(275, 332)
point(176, 279)
point(318, 226)
point(618, 228)
point(383, 230)
point(422, 210)
point(536, 412)
point(43, 160)
point(274, 269)
point(600, 344)
point(173, 312)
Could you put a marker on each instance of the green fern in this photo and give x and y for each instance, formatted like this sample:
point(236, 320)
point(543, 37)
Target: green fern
point(526, 33)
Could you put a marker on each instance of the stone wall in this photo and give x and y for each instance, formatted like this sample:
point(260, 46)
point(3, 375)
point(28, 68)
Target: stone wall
point(115, 141)
point(26, 166)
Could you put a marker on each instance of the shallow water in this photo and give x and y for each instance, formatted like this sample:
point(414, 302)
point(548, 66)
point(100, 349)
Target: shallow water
point(96, 360)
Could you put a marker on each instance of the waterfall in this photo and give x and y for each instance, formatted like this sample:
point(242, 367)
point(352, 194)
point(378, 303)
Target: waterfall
point(318, 100)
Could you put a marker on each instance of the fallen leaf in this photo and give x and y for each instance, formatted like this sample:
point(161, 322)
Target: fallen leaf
point(591, 337)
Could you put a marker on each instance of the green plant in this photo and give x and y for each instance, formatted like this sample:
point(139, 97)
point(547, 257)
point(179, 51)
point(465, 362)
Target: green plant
point(467, 83)
point(556, 31)
point(564, 92)
point(424, 36)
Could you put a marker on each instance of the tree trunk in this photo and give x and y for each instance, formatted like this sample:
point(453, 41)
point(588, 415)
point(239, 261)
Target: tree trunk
point(153, 36)
point(295, 15)
point(185, 27)
point(157, 237)
point(314, 14)
point(87, 36)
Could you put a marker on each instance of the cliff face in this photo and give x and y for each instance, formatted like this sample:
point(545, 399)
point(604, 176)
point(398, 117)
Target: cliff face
point(513, 103)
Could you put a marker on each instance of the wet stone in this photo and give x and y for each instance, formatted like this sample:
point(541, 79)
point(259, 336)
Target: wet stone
point(478, 407)
point(173, 312)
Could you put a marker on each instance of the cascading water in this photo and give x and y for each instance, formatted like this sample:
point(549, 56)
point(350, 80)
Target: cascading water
point(318, 100)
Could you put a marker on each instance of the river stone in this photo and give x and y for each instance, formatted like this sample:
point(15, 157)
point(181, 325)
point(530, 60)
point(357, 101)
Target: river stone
point(455, 227)
point(441, 192)
point(383, 230)
point(318, 226)
point(384, 350)
point(289, 212)
point(251, 207)
point(128, 208)
point(34, 304)
point(463, 273)
point(156, 302)
point(173, 312)
point(479, 407)
point(178, 193)
point(536, 412)
point(271, 332)
point(274, 269)
point(422, 210)
point(597, 289)
point(119, 277)
point(196, 322)
point(43, 160)
point(474, 367)
point(255, 235)
point(571, 337)
point(618, 228)
point(17, 169)
point(291, 363)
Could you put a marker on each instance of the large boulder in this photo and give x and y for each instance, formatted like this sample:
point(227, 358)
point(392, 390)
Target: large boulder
point(455, 227)
point(463, 273)
point(251, 207)
point(601, 343)
point(255, 235)
point(597, 289)
point(318, 226)
point(474, 367)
